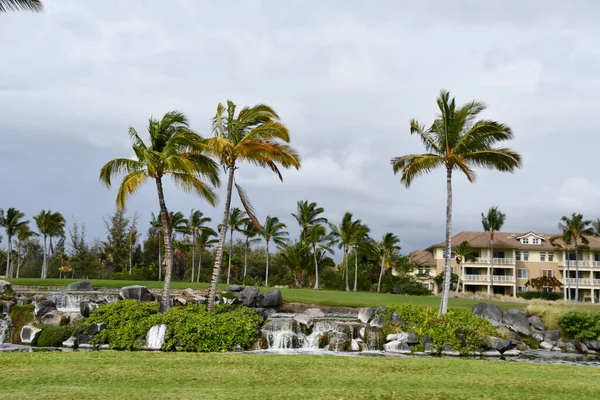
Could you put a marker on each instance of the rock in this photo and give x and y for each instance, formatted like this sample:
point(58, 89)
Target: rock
point(512, 353)
point(136, 292)
point(374, 338)
point(44, 307)
point(397, 346)
point(546, 346)
point(537, 323)
point(522, 346)
point(426, 343)
point(95, 328)
point(339, 341)
point(51, 318)
point(412, 339)
point(378, 322)
point(365, 314)
point(561, 344)
point(491, 353)
point(266, 312)
point(582, 348)
point(81, 286)
point(248, 296)
point(361, 333)
point(453, 353)
point(70, 343)
point(396, 319)
point(84, 340)
point(87, 307)
point(29, 334)
point(354, 345)
point(552, 336)
point(538, 336)
point(592, 344)
point(491, 312)
point(304, 320)
point(314, 313)
point(179, 301)
point(499, 344)
point(567, 347)
point(199, 300)
point(272, 299)
point(397, 337)
point(235, 288)
point(5, 286)
point(517, 322)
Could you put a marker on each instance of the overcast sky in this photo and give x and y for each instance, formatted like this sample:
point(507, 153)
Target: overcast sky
point(345, 76)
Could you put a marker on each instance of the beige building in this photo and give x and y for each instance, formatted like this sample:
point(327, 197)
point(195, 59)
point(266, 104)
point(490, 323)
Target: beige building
point(517, 257)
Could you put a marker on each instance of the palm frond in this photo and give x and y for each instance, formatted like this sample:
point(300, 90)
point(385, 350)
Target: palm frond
point(21, 5)
point(192, 184)
point(415, 165)
point(248, 207)
point(119, 166)
point(501, 159)
point(130, 184)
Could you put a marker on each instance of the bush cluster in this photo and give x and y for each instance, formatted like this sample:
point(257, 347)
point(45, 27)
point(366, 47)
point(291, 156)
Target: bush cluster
point(529, 295)
point(580, 325)
point(53, 336)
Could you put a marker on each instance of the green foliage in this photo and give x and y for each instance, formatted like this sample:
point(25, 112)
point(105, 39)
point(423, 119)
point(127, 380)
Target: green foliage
point(53, 336)
point(20, 316)
point(529, 295)
point(439, 279)
point(543, 282)
point(402, 285)
point(580, 325)
point(459, 328)
point(531, 342)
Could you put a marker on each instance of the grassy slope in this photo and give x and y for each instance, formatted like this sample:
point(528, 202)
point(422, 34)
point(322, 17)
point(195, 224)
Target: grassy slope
point(145, 375)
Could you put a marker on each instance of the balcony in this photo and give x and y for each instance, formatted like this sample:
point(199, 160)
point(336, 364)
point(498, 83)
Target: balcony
point(580, 263)
point(582, 281)
point(486, 278)
point(496, 261)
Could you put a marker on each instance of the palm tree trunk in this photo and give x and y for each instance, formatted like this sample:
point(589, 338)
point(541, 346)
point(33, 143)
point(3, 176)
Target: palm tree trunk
point(159, 259)
point(230, 254)
point(355, 269)
point(492, 262)
point(18, 259)
point(568, 279)
point(380, 274)
point(576, 273)
point(447, 264)
point(316, 268)
point(267, 267)
point(8, 257)
point(165, 301)
point(245, 258)
point(346, 268)
point(214, 280)
point(130, 257)
point(193, 255)
point(45, 261)
point(458, 281)
point(199, 265)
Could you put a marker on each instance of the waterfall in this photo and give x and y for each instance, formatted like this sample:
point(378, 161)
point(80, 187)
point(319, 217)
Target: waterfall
point(5, 322)
point(67, 302)
point(155, 338)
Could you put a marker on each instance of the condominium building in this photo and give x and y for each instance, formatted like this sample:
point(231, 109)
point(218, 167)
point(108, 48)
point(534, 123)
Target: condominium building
point(517, 257)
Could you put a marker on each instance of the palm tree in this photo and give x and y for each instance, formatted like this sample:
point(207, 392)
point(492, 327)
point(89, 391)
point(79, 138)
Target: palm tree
point(156, 222)
point(575, 230)
point(563, 242)
point(50, 224)
point(174, 150)
point(179, 224)
point(492, 222)
point(250, 233)
point(206, 239)
point(596, 227)
point(21, 5)
point(296, 257)
point(196, 224)
point(237, 219)
point(273, 231)
point(463, 252)
point(360, 235)
point(388, 250)
point(24, 233)
point(318, 239)
point(11, 222)
point(344, 236)
point(456, 141)
point(307, 215)
point(133, 235)
point(256, 136)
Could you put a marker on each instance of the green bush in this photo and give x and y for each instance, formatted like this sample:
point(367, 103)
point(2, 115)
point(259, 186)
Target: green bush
point(580, 325)
point(459, 328)
point(529, 295)
point(402, 285)
point(53, 336)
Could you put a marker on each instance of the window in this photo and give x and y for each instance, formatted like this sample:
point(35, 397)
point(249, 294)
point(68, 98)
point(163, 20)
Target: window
point(597, 257)
point(550, 257)
point(525, 240)
point(518, 255)
point(547, 273)
point(498, 254)
point(522, 288)
point(525, 256)
point(543, 256)
point(522, 273)
point(535, 241)
point(423, 271)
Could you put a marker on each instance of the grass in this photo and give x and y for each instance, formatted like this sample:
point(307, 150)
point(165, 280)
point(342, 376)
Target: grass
point(142, 375)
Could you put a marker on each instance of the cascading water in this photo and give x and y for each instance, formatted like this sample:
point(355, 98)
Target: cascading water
point(155, 338)
point(69, 302)
point(5, 322)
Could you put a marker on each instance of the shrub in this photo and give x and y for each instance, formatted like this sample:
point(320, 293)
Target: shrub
point(402, 285)
point(530, 295)
point(20, 316)
point(580, 325)
point(53, 336)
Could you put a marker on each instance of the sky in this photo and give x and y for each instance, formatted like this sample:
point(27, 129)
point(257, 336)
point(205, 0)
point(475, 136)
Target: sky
point(345, 77)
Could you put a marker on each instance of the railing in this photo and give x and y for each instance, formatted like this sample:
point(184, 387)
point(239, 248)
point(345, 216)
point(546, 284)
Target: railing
point(582, 281)
point(580, 263)
point(504, 278)
point(496, 261)
point(486, 278)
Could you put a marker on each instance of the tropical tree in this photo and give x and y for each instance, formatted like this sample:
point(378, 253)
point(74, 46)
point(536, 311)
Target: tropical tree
point(21, 5)
point(388, 250)
point(296, 256)
point(492, 222)
point(596, 227)
point(463, 252)
point(174, 150)
point(24, 233)
point(237, 219)
point(273, 231)
point(256, 136)
point(206, 240)
point(50, 224)
point(318, 240)
point(456, 141)
point(344, 236)
point(179, 224)
point(361, 234)
point(11, 221)
point(307, 215)
point(564, 243)
point(196, 224)
point(250, 233)
point(574, 231)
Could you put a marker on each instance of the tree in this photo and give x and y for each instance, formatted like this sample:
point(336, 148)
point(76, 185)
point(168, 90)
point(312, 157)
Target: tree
point(492, 222)
point(50, 224)
point(205, 240)
point(344, 235)
point(296, 257)
point(361, 234)
point(543, 283)
point(21, 5)
point(11, 221)
point(564, 242)
point(307, 215)
point(456, 141)
point(132, 237)
point(24, 233)
point(273, 231)
point(176, 151)
point(237, 219)
point(318, 239)
point(250, 233)
point(463, 252)
point(256, 136)
point(117, 240)
point(388, 249)
point(575, 230)
point(196, 224)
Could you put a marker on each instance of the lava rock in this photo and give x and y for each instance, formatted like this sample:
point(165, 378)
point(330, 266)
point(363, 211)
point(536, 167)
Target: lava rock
point(95, 328)
point(136, 292)
point(70, 343)
point(378, 322)
point(81, 286)
point(249, 296)
point(552, 336)
point(44, 307)
point(412, 339)
point(51, 318)
point(5, 286)
point(272, 299)
point(365, 314)
point(499, 344)
point(491, 312)
point(314, 313)
point(538, 336)
point(396, 319)
point(304, 320)
point(235, 288)
point(592, 344)
point(29, 334)
point(86, 307)
point(537, 323)
point(517, 322)
point(546, 346)
point(397, 346)
point(84, 339)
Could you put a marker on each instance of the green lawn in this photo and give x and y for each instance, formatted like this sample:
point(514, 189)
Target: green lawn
point(141, 375)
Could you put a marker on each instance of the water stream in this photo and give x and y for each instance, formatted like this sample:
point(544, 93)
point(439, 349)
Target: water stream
point(69, 302)
point(5, 322)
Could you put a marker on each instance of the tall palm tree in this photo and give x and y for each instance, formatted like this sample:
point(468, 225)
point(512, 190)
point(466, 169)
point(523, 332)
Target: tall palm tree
point(50, 224)
point(344, 235)
point(463, 252)
point(575, 230)
point(273, 231)
point(456, 141)
point(237, 219)
point(250, 233)
point(24, 233)
point(307, 215)
point(11, 221)
point(296, 256)
point(360, 235)
point(492, 222)
point(196, 224)
point(21, 5)
point(256, 136)
point(388, 249)
point(318, 239)
point(179, 224)
point(206, 239)
point(174, 150)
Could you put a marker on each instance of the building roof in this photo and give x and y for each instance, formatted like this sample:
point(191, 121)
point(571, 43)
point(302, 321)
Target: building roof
point(509, 240)
point(422, 257)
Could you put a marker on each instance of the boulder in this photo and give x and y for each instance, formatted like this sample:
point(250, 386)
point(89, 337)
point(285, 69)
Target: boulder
point(361, 332)
point(355, 345)
point(29, 334)
point(499, 344)
point(538, 336)
point(365, 314)
point(517, 322)
point(491, 353)
point(339, 341)
point(70, 343)
point(95, 328)
point(84, 340)
point(378, 322)
point(412, 339)
point(249, 296)
point(271, 299)
point(537, 323)
point(374, 338)
point(491, 312)
point(397, 346)
point(235, 288)
point(512, 353)
point(580, 347)
point(304, 320)
point(81, 286)
point(314, 313)
point(546, 346)
point(5, 286)
point(179, 301)
point(396, 319)
point(397, 337)
point(552, 336)
point(380, 310)
point(87, 307)
point(567, 347)
point(426, 343)
point(136, 292)
point(44, 307)
point(265, 312)
point(51, 318)
point(592, 344)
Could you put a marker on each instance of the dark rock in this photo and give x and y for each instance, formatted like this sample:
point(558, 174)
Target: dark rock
point(29, 334)
point(272, 299)
point(84, 339)
point(51, 318)
point(95, 328)
point(592, 344)
point(580, 347)
point(412, 339)
point(339, 341)
point(537, 323)
point(81, 286)
point(44, 307)
point(380, 310)
point(397, 346)
point(5, 286)
point(499, 344)
point(396, 319)
point(86, 307)
point(491, 312)
point(378, 322)
point(266, 312)
point(235, 288)
point(538, 336)
point(374, 338)
point(136, 292)
point(552, 336)
point(249, 296)
point(517, 322)
point(365, 314)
